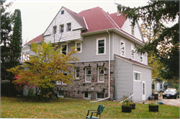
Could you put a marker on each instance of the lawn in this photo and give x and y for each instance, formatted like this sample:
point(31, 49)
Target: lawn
point(77, 108)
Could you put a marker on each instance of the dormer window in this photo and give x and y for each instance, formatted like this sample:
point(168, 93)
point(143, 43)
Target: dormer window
point(61, 28)
point(62, 12)
point(69, 27)
point(54, 29)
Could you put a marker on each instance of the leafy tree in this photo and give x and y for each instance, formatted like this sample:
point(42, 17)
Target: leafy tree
point(45, 69)
point(156, 16)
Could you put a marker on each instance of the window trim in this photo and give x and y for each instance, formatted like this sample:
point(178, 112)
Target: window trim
point(134, 76)
point(99, 75)
point(97, 48)
point(89, 95)
point(132, 48)
point(66, 47)
point(121, 48)
point(80, 46)
point(86, 74)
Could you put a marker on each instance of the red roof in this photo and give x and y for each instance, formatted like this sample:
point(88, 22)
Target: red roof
point(38, 38)
point(96, 19)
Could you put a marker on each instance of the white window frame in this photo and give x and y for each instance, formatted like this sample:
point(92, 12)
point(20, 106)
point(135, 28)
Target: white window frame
point(66, 47)
point(80, 46)
point(100, 75)
point(97, 48)
point(97, 96)
point(121, 48)
point(134, 76)
point(132, 54)
point(86, 75)
point(76, 72)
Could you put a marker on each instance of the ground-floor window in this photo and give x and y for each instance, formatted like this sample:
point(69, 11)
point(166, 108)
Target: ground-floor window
point(100, 95)
point(61, 93)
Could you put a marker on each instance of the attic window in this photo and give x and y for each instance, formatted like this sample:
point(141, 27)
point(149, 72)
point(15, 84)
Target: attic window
point(62, 12)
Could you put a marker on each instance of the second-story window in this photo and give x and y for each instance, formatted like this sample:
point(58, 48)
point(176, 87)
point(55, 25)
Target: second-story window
point(54, 29)
point(122, 48)
point(132, 52)
point(61, 28)
point(78, 46)
point(64, 49)
point(69, 27)
point(88, 74)
point(101, 46)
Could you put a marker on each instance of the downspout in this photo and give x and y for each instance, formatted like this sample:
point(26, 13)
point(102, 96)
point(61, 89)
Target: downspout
point(109, 75)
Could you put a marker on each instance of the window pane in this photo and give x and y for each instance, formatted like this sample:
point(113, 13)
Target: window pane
point(101, 77)
point(69, 27)
point(77, 72)
point(101, 50)
point(100, 95)
point(64, 49)
point(88, 78)
point(86, 94)
point(78, 46)
point(61, 92)
point(88, 70)
point(61, 28)
point(137, 76)
point(54, 29)
point(101, 43)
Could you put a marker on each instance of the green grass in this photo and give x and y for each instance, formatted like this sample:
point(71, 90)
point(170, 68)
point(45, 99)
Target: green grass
point(77, 108)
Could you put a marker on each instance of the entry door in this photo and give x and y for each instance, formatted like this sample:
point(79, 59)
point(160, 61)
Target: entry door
point(143, 90)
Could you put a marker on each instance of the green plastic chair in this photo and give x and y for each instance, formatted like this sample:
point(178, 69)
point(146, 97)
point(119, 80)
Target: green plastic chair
point(98, 112)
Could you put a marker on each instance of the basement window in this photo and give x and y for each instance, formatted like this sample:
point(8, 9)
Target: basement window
point(100, 95)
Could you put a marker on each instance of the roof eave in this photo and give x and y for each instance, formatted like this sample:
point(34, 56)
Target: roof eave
point(118, 31)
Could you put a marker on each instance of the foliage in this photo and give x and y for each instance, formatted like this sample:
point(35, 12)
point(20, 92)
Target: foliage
point(156, 17)
point(44, 69)
point(152, 104)
point(77, 108)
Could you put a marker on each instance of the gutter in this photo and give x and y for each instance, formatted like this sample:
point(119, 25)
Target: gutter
point(109, 75)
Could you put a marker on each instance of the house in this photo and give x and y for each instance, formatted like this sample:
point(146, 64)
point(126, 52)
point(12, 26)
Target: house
point(159, 85)
point(108, 65)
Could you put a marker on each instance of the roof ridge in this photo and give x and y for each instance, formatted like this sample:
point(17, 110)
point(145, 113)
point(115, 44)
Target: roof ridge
point(106, 14)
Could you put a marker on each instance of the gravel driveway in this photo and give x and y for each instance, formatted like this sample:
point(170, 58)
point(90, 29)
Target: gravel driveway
point(174, 102)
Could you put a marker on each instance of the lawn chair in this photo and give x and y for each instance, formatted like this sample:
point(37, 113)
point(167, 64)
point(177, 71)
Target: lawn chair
point(98, 112)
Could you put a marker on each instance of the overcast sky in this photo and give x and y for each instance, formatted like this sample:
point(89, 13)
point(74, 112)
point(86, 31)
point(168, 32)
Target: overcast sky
point(36, 15)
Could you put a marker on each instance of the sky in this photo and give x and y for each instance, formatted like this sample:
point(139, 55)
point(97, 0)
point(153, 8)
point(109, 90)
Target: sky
point(36, 15)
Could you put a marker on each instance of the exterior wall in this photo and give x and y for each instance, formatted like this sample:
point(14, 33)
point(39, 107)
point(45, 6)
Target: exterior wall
point(79, 86)
point(146, 76)
point(128, 28)
point(89, 45)
point(117, 49)
point(123, 79)
point(66, 35)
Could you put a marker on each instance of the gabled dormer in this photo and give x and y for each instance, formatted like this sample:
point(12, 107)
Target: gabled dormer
point(66, 26)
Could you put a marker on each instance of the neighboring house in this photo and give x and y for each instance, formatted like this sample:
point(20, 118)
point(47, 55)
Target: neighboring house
point(108, 65)
point(159, 85)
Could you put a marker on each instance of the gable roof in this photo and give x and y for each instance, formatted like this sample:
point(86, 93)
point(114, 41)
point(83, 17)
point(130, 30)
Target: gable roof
point(37, 39)
point(77, 17)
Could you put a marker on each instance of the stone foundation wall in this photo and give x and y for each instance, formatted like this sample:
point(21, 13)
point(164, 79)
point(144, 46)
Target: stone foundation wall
point(79, 87)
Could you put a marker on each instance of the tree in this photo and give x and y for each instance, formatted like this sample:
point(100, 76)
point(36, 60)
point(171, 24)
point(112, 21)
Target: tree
point(156, 16)
point(46, 68)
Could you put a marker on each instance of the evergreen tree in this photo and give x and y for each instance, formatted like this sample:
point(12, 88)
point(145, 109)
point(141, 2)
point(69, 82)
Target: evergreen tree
point(156, 16)
point(6, 29)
